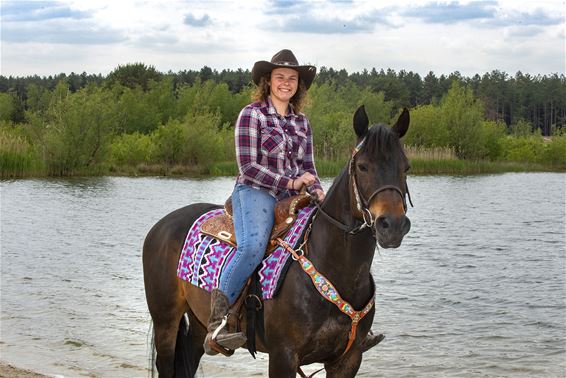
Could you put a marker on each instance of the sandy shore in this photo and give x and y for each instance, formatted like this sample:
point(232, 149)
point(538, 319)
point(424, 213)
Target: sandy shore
point(9, 371)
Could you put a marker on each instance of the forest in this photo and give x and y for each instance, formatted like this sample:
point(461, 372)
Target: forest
point(137, 120)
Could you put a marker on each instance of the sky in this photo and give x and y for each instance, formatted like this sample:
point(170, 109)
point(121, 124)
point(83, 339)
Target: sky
point(95, 36)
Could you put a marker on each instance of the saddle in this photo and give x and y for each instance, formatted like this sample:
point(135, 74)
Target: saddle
point(286, 210)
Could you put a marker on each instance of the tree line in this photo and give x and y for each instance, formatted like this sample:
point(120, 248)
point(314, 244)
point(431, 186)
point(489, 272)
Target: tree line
point(539, 100)
point(140, 118)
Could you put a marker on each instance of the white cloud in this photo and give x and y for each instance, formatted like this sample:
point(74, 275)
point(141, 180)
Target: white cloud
point(96, 36)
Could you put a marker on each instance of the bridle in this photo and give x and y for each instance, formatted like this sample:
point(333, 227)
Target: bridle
point(361, 204)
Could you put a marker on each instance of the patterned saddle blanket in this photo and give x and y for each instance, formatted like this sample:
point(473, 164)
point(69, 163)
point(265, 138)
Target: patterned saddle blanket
point(203, 257)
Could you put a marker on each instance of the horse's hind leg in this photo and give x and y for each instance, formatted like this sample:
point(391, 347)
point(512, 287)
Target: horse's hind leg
point(165, 340)
point(189, 348)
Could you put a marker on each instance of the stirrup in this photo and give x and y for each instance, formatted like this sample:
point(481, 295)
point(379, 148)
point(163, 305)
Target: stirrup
point(219, 328)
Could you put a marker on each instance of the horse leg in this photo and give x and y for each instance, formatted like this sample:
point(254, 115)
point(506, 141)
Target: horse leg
point(346, 366)
point(283, 363)
point(167, 313)
point(189, 348)
point(165, 340)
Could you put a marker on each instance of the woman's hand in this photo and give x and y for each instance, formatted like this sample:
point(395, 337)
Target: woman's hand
point(306, 179)
point(319, 195)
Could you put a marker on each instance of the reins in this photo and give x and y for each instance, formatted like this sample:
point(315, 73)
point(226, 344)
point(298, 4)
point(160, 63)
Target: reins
point(325, 288)
point(361, 203)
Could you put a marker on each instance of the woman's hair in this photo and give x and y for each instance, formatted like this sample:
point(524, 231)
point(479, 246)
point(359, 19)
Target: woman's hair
point(298, 100)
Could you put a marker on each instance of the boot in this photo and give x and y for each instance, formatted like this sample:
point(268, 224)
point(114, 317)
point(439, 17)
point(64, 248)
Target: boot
point(218, 339)
point(371, 340)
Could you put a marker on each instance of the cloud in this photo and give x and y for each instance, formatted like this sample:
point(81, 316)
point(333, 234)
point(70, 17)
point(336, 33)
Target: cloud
point(279, 7)
point(200, 22)
point(21, 11)
point(315, 25)
point(68, 33)
point(337, 17)
point(538, 17)
point(52, 22)
point(450, 13)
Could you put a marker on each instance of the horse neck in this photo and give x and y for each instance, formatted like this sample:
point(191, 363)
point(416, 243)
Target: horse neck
point(344, 259)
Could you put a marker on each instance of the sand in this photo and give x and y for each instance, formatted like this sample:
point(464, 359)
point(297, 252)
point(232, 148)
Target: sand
point(9, 371)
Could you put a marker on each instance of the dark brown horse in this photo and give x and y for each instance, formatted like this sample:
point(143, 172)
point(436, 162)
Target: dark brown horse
point(365, 205)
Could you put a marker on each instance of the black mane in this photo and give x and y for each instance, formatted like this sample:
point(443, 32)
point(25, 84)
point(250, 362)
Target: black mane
point(380, 140)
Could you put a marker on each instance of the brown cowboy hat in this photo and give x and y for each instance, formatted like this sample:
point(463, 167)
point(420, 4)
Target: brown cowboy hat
point(283, 59)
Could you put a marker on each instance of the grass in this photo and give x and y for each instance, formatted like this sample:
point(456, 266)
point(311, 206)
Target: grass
point(15, 164)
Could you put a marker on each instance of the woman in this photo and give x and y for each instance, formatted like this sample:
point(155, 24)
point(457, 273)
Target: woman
point(275, 159)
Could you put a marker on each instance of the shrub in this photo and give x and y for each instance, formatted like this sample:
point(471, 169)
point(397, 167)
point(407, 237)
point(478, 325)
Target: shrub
point(130, 149)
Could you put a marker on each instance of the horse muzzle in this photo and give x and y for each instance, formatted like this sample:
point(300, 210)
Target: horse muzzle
point(390, 230)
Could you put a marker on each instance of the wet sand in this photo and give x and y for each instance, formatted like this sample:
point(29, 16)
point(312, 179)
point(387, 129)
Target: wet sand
point(9, 371)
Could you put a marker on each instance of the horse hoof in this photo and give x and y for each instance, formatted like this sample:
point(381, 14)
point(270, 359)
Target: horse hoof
point(371, 340)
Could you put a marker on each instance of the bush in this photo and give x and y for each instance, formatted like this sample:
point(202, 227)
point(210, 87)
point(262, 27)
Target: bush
point(555, 151)
point(529, 149)
point(130, 149)
point(198, 140)
point(78, 134)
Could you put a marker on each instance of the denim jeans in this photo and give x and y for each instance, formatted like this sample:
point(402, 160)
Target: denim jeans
point(253, 221)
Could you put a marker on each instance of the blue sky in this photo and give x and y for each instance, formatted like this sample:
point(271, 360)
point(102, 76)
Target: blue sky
point(50, 37)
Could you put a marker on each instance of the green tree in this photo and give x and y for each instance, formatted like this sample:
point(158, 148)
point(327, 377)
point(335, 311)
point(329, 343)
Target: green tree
point(7, 107)
point(79, 131)
point(133, 75)
point(461, 114)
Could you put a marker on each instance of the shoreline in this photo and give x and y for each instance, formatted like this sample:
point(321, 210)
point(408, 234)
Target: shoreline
point(8, 370)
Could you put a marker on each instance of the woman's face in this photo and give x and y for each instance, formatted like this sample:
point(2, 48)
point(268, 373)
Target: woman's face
point(283, 83)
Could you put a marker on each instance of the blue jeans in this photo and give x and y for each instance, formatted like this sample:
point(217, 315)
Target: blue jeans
point(253, 221)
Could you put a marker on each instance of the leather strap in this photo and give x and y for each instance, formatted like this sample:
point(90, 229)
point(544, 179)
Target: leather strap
point(329, 292)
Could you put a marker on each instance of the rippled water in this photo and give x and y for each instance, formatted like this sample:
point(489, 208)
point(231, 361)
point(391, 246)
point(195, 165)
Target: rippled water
point(478, 288)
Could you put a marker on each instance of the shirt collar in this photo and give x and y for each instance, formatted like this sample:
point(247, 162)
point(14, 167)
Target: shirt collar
point(271, 108)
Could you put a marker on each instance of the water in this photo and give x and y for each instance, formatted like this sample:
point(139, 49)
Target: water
point(478, 288)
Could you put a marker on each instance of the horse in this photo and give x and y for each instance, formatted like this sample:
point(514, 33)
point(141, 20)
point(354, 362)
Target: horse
point(365, 206)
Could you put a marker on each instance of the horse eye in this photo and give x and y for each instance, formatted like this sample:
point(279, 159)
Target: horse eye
point(362, 167)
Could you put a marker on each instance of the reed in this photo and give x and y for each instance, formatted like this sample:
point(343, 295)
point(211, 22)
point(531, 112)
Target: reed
point(17, 158)
point(430, 153)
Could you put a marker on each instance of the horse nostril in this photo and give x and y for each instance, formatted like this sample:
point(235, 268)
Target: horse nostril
point(383, 222)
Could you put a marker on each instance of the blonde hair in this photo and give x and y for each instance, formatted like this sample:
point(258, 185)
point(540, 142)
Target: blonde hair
point(298, 100)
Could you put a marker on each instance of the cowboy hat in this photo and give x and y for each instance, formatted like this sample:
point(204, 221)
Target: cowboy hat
point(283, 59)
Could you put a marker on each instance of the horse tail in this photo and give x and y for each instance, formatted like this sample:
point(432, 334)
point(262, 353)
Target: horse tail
point(153, 351)
point(184, 365)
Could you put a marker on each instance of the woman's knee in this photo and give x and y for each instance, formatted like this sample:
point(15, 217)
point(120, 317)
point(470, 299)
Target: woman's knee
point(253, 248)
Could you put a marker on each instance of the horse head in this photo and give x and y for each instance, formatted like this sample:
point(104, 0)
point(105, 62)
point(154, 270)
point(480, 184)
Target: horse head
point(378, 170)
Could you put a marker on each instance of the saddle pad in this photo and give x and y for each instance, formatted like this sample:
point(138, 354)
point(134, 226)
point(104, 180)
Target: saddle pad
point(203, 257)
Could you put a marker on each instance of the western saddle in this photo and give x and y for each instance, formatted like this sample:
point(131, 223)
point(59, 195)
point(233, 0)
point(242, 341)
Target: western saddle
point(286, 211)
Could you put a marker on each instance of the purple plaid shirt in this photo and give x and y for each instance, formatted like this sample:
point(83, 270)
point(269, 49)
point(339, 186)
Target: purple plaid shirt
point(272, 149)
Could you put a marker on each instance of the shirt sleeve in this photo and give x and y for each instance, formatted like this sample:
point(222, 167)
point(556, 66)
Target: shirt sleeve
point(308, 161)
point(248, 142)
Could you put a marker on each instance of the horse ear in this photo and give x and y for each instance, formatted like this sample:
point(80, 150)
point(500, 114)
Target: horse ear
point(402, 125)
point(361, 122)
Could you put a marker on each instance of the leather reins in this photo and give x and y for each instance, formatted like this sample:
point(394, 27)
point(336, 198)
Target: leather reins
point(362, 205)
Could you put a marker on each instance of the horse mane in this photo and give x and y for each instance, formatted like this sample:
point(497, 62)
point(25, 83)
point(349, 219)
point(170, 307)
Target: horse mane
point(380, 140)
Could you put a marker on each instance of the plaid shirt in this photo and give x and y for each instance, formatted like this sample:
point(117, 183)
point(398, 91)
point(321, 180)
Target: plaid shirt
point(272, 149)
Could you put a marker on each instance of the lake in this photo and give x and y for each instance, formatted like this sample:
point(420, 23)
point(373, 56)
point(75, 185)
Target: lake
point(477, 289)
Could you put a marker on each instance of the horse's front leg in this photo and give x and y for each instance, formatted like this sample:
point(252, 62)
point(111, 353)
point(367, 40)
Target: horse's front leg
point(346, 366)
point(283, 363)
